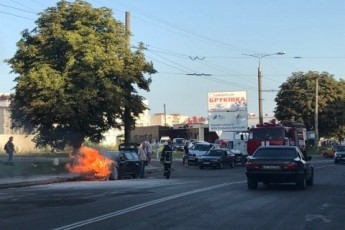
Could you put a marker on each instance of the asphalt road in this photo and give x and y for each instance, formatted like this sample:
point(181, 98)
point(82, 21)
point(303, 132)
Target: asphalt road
point(191, 199)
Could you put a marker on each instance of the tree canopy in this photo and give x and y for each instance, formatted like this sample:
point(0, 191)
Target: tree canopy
point(76, 74)
point(296, 101)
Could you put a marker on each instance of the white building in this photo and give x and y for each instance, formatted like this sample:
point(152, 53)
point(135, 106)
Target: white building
point(167, 119)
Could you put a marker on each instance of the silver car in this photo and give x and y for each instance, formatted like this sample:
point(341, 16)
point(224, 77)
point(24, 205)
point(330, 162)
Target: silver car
point(198, 150)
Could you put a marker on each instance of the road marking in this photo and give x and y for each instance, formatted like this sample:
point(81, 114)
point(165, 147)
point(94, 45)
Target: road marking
point(140, 206)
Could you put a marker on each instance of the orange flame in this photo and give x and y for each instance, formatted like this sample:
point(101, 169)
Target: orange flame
point(90, 164)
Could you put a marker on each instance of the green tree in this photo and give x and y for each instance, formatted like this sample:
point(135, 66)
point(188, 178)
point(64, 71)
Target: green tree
point(75, 72)
point(296, 101)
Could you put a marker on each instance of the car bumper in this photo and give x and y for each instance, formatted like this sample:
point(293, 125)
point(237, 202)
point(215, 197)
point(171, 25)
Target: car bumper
point(193, 159)
point(209, 163)
point(275, 177)
point(339, 158)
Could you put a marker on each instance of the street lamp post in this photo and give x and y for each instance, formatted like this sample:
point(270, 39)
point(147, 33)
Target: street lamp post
point(259, 56)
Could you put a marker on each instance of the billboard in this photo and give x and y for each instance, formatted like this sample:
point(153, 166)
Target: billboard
point(227, 111)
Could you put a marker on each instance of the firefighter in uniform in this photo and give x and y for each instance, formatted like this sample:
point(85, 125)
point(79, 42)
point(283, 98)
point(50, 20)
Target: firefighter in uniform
point(166, 159)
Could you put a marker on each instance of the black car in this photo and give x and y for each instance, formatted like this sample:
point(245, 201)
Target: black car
point(339, 155)
point(217, 158)
point(126, 162)
point(279, 164)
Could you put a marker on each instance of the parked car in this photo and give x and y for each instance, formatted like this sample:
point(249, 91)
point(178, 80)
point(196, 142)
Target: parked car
point(279, 164)
point(199, 149)
point(126, 162)
point(178, 144)
point(217, 158)
point(339, 155)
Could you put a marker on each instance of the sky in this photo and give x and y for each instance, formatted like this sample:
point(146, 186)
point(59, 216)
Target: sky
point(210, 45)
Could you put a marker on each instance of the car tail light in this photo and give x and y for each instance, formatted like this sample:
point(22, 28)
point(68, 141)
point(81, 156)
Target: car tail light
point(251, 165)
point(290, 166)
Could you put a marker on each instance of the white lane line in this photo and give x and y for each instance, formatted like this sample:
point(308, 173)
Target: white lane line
point(140, 206)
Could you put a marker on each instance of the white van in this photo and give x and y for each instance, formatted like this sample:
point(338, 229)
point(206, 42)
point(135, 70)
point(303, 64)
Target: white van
point(164, 139)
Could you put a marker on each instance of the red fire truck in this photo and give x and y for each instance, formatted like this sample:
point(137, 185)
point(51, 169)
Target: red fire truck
point(282, 133)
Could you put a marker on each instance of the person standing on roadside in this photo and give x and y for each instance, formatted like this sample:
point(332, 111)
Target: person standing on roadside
point(9, 148)
point(157, 148)
point(186, 153)
point(142, 158)
point(148, 151)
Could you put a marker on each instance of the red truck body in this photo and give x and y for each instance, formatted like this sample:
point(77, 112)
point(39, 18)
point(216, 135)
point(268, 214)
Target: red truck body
point(284, 133)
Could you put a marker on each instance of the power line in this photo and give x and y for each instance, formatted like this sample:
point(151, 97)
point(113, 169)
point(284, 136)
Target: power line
point(18, 16)
point(12, 7)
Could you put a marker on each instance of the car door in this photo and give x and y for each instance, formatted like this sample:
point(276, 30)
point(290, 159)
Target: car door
point(122, 161)
point(225, 157)
point(307, 165)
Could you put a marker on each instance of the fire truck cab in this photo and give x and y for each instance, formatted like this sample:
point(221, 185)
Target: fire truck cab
point(283, 133)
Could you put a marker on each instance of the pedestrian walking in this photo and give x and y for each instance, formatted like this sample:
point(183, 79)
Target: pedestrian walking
point(9, 148)
point(142, 158)
point(166, 159)
point(186, 153)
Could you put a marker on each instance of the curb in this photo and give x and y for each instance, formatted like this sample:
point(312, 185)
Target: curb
point(38, 181)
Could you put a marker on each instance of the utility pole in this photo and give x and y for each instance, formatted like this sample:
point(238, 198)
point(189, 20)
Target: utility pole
point(165, 116)
point(259, 57)
point(261, 119)
point(127, 118)
point(317, 114)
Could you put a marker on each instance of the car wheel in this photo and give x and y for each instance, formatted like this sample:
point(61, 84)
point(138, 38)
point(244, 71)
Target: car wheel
point(301, 183)
point(252, 184)
point(335, 162)
point(114, 175)
point(201, 167)
point(267, 183)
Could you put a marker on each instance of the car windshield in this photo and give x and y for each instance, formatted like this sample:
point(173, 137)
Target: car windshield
point(275, 153)
point(216, 153)
point(268, 133)
point(179, 141)
point(131, 155)
point(201, 147)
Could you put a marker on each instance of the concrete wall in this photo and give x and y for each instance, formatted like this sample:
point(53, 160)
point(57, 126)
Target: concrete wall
point(22, 143)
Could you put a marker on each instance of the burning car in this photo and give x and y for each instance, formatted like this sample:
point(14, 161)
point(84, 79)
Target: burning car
point(92, 164)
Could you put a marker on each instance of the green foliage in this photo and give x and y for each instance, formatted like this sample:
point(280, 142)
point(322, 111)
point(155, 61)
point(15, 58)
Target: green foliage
point(296, 101)
point(75, 72)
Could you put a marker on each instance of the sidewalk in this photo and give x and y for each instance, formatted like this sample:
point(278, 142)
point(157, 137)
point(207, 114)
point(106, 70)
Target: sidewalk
point(24, 181)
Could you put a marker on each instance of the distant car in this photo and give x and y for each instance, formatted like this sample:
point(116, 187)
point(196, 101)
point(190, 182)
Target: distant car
point(328, 153)
point(279, 164)
point(217, 158)
point(199, 149)
point(339, 155)
point(192, 142)
point(178, 144)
